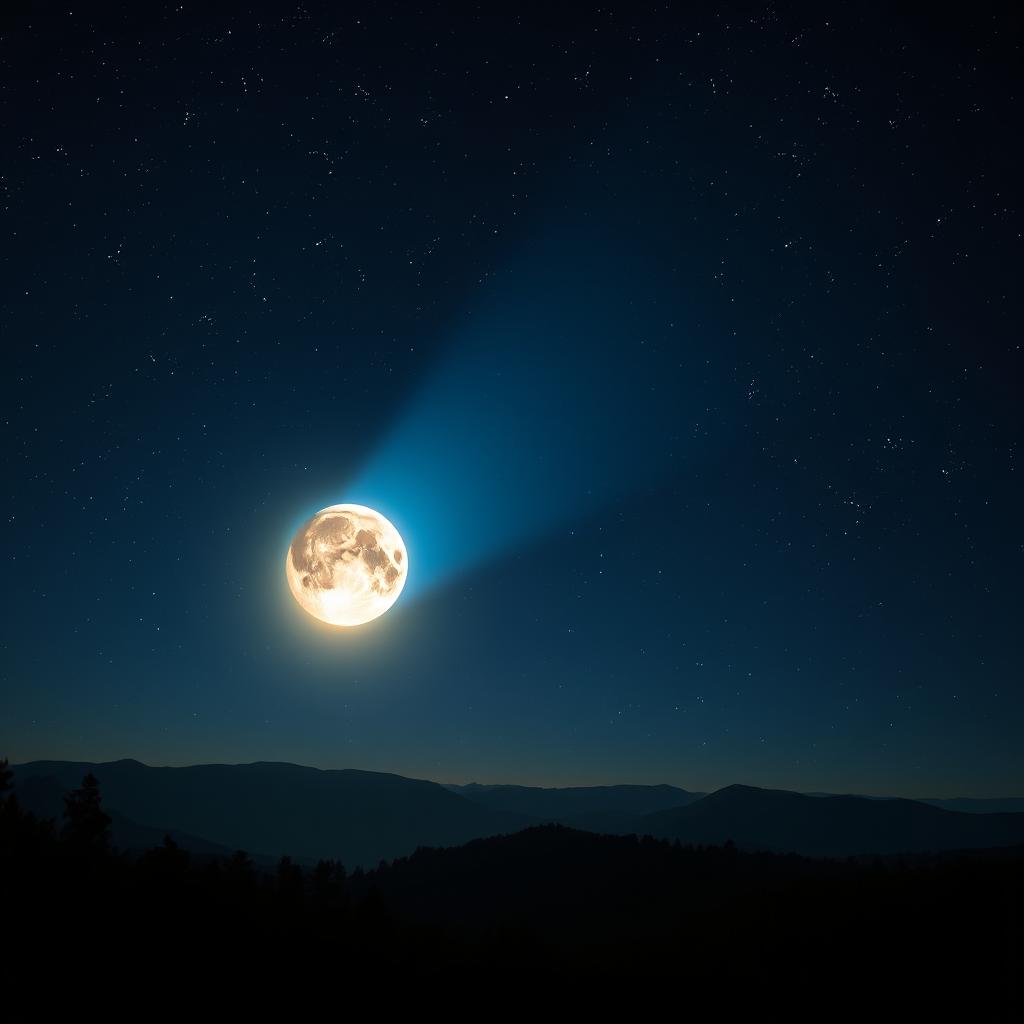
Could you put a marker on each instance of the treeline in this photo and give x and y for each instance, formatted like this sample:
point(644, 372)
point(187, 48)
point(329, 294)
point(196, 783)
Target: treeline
point(546, 902)
point(67, 875)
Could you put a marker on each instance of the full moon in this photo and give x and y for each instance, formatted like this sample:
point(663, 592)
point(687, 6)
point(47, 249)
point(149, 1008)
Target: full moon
point(347, 565)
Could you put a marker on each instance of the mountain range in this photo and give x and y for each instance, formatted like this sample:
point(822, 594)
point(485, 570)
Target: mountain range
point(360, 818)
point(830, 826)
point(617, 810)
point(271, 809)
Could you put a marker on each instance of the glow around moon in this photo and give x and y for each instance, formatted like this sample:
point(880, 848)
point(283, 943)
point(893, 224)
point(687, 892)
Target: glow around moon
point(347, 565)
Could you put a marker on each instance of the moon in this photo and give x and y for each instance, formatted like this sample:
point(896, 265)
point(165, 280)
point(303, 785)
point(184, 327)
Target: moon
point(347, 565)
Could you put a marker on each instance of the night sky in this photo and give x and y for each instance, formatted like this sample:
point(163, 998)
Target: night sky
point(683, 347)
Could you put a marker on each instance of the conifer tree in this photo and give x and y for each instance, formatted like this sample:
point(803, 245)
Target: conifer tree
point(86, 824)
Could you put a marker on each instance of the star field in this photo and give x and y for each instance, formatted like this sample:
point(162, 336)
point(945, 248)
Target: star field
point(704, 327)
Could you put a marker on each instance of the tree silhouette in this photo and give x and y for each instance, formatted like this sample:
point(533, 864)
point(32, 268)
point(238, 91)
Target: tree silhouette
point(167, 860)
point(10, 817)
point(8, 801)
point(86, 824)
point(328, 884)
point(239, 869)
point(290, 880)
point(21, 832)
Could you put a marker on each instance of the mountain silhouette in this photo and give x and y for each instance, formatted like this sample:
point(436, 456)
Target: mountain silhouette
point(361, 818)
point(966, 804)
point(829, 826)
point(974, 805)
point(613, 809)
point(274, 809)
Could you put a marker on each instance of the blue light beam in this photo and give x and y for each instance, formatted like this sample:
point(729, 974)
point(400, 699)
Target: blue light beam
point(541, 411)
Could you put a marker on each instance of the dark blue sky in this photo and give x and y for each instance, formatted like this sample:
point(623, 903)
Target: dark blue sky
point(682, 346)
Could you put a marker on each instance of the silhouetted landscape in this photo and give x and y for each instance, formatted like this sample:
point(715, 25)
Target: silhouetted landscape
point(472, 882)
point(274, 809)
point(361, 818)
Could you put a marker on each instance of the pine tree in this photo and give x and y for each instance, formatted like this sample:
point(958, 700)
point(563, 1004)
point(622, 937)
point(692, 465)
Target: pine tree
point(86, 824)
point(10, 816)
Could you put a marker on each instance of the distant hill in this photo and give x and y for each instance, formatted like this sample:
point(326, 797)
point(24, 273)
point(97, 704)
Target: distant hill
point(966, 804)
point(613, 809)
point(973, 805)
point(771, 819)
point(554, 878)
point(274, 809)
point(783, 922)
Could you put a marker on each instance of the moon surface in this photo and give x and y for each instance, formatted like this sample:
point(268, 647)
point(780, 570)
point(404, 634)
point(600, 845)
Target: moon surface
point(347, 565)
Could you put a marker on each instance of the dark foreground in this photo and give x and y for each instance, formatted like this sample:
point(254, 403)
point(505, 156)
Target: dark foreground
point(548, 904)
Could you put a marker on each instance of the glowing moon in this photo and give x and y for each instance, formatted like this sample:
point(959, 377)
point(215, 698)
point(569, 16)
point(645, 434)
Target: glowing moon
point(347, 565)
